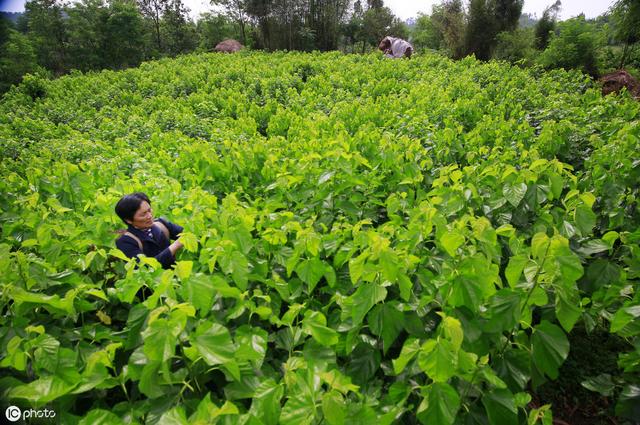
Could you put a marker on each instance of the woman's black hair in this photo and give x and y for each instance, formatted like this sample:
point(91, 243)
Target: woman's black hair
point(128, 205)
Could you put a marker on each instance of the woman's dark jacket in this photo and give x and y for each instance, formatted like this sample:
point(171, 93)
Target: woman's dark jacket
point(156, 246)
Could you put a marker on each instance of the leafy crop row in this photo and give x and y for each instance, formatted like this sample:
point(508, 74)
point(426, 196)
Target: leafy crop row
point(367, 241)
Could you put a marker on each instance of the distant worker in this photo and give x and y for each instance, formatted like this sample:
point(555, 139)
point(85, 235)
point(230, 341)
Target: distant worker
point(395, 48)
point(144, 234)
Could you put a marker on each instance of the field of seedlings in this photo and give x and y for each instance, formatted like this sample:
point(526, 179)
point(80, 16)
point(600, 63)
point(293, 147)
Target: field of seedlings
point(367, 241)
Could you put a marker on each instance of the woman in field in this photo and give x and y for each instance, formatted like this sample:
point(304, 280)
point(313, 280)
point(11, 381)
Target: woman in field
point(395, 47)
point(144, 235)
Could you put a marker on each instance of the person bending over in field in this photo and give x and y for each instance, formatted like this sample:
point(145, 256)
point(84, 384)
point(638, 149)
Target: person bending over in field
point(395, 48)
point(144, 235)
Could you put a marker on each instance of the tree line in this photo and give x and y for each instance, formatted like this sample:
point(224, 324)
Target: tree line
point(312, 24)
point(496, 29)
point(53, 38)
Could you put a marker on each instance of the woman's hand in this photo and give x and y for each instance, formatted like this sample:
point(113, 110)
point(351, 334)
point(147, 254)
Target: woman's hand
point(175, 247)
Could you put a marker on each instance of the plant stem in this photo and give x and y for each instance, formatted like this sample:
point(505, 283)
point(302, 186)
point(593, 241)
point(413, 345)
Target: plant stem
point(526, 301)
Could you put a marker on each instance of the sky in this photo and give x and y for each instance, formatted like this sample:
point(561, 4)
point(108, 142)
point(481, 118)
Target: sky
point(409, 8)
point(570, 8)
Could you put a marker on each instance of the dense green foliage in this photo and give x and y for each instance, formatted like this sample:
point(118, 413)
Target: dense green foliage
point(369, 26)
point(367, 241)
point(92, 35)
point(443, 30)
point(515, 46)
point(574, 47)
point(485, 20)
point(626, 24)
point(18, 58)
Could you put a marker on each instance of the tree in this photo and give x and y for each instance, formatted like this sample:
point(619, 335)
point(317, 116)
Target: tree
point(105, 36)
point(380, 22)
point(298, 24)
point(527, 20)
point(546, 25)
point(516, 46)
point(237, 11)
point(5, 26)
point(213, 28)
point(354, 28)
point(47, 32)
point(574, 47)
point(626, 21)
point(260, 11)
point(153, 10)
point(179, 31)
point(426, 34)
point(358, 9)
point(449, 19)
point(506, 14)
point(123, 35)
point(325, 18)
point(480, 33)
point(486, 19)
point(85, 25)
point(291, 26)
point(17, 57)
